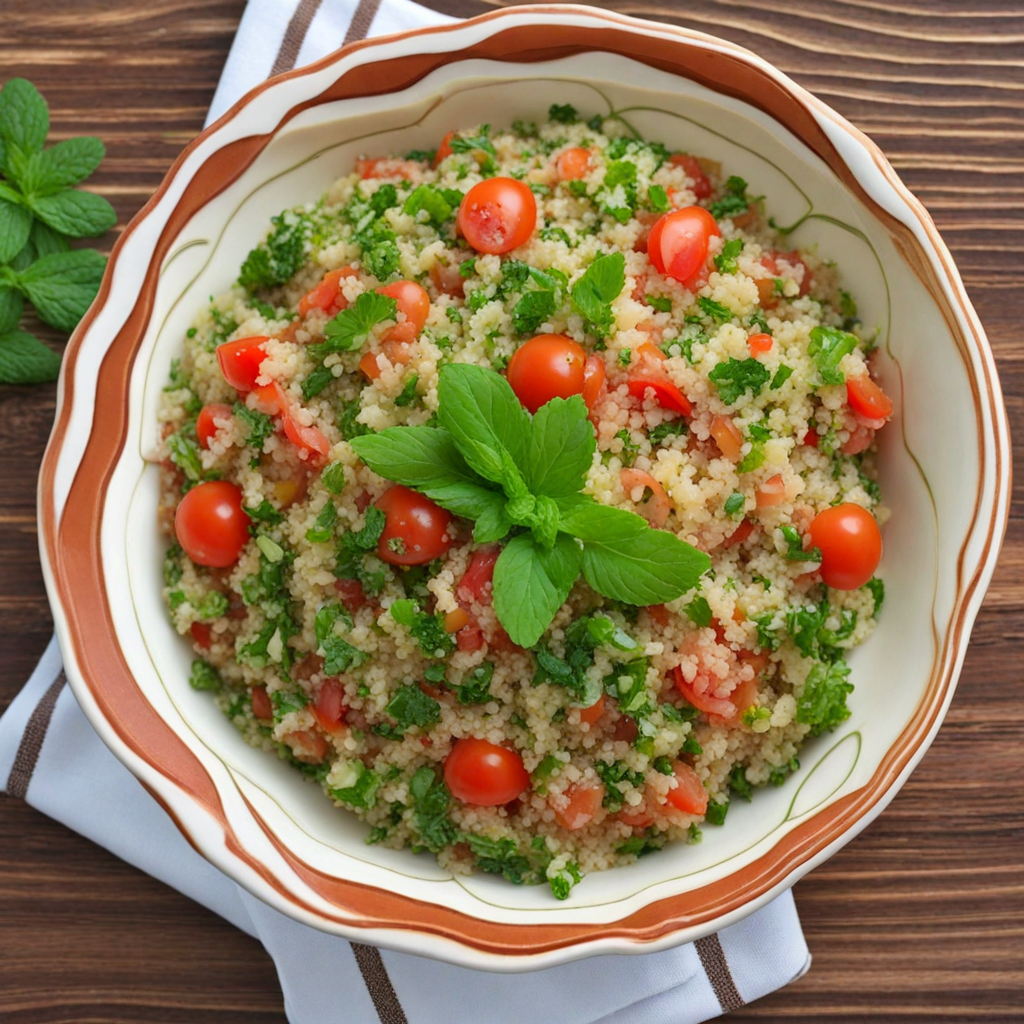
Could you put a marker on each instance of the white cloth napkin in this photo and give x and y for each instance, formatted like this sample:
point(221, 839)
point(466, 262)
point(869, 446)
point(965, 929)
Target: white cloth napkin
point(51, 757)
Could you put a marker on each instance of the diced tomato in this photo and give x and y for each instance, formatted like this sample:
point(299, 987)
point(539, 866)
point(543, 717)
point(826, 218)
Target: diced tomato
point(261, 706)
point(636, 817)
point(770, 493)
point(593, 382)
point(654, 506)
point(368, 365)
point(760, 343)
point(351, 594)
point(327, 295)
point(206, 425)
point(272, 400)
point(739, 535)
point(659, 613)
point(584, 802)
point(743, 697)
point(702, 187)
point(811, 438)
point(477, 581)
point(470, 638)
point(445, 149)
point(592, 715)
point(414, 303)
point(329, 707)
point(573, 164)
point(689, 795)
point(387, 167)
point(666, 394)
point(727, 436)
point(307, 745)
point(867, 398)
point(625, 729)
point(202, 634)
point(703, 701)
point(240, 361)
point(447, 278)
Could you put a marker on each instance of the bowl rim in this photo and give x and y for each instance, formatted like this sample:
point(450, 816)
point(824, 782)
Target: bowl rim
point(72, 564)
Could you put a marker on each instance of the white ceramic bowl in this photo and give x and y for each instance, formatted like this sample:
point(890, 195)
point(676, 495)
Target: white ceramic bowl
point(944, 467)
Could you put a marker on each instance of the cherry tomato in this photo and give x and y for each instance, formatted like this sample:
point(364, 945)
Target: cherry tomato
point(547, 366)
point(850, 543)
point(477, 583)
point(445, 149)
point(666, 394)
point(593, 381)
point(760, 343)
point(414, 303)
point(484, 774)
point(573, 164)
point(701, 699)
point(689, 795)
point(240, 361)
point(416, 530)
point(867, 398)
point(261, 706)
point(701, 187)
point(329, 707)
point(210, 524)
point(584, 803)
point(206, 428)
point(327, 295)
point(498, 215)
point(678, 243)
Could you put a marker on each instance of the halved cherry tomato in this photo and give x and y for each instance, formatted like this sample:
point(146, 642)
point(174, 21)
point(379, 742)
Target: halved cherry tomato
point(770, 493)
point(592, 715)
point(412, 301)
point(689, 795)
point(593, 381)
point(867, 398)
point(327, 295)
point(484, 774)
point(701, 187)
point(206, 426)
point(202, 634)
point(416, 530)
point(850, 543)
point(477, 583)
point(445, 149)
point(760, 343)
point(573, 164)
point(261, 705)
point(727, 436)
point(272, 400)
point(497, 215)
point(329, 707)
point(584, 803)
point(240, 361)
point(702, 700)
point(678, 243)
point(211, 525)
point(547, 366)
point(666, 394)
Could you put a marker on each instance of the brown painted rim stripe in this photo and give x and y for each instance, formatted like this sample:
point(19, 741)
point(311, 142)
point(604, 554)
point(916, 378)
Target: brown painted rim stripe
point(361, 21)
point(378, 984)
point(295, 35)
point(32, 739)
point(72, 545)
point(716, 967)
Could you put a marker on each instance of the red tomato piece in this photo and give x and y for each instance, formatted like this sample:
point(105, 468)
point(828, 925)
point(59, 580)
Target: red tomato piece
point(689, 795)
point(387, 167)
point(368, 365)
point(272, 400)
point(414, 303)
point(416, 530)
point(327, 294)
point(740, 534)
point(497, 215)
point(240, 361)
point(593, 381)
point(329, 707)
point(867, 398)
point(470, 638)
point(701, 187)
point(666, 394)
point(592, 715)
point(477, 583)
point(573, 164)
point(202, 634)
point(584, 803)
point(760, 343)
point(261, 705)
point(447, 278)
point(850, 543)
point(547, 366)
point(770, 493)
point(678, 243)
point(307, 745)
point(211, 525)
point(445, 149)
point(727, 436)
point(703, 701)
point(206, 428)
point(352, 595)
point(484, 774)
point(811, 438)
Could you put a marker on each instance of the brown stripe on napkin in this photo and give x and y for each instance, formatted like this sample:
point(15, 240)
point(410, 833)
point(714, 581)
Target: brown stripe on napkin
point(716, 967)
point(378, 984)
point(32, 739)
point(294, 35)
point(362, 20)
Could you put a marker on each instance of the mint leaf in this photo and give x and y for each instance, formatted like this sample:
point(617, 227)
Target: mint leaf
point(24, 118)
point(828, 346)
point(74, 213)
point(62, 165)
point(626, 560)
point(350, 328)
point(531, 584)
point(561, 448)
point(15, 224)
point(25, 360)
point(11, 305)
point(45, 241)
point(532, 310)
point(62, 286)
point(601, 284)
point(487, 422)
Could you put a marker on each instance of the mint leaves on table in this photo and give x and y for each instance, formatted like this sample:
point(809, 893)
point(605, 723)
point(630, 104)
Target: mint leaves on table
point(39, 211)
point(489, 460)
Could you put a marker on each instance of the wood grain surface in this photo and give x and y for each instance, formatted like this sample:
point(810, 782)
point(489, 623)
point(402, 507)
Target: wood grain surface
point(922, 916)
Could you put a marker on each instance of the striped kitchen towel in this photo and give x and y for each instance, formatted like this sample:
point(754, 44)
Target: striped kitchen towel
point(51, 757)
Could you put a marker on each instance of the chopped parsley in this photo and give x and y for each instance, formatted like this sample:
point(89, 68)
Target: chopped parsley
point(734, 377)
point(733, 200)
point(725, 261)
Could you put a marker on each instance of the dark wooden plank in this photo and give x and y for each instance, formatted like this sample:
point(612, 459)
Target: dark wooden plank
point(920, 916)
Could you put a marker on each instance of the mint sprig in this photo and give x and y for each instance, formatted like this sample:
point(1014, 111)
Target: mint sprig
point(513, 473)
point(39, 211)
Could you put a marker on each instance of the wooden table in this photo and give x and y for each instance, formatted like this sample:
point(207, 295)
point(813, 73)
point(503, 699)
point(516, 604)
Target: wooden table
point(921, 916)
